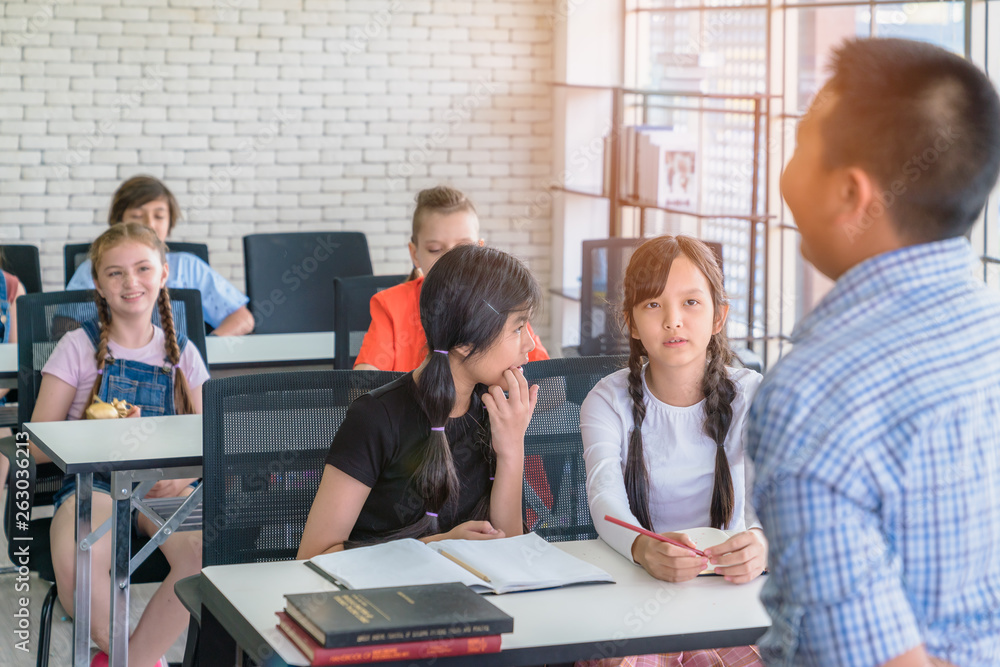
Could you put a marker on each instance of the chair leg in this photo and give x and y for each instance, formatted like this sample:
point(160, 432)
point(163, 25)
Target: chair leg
point(191, 645)
point(45, 627)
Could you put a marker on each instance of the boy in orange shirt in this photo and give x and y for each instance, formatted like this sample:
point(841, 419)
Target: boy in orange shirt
point(444, 218)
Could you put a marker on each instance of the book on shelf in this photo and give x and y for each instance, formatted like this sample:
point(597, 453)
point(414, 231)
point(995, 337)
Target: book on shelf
point(667, 169)
point(413, 650)
point(505, 565)
point(395, 614)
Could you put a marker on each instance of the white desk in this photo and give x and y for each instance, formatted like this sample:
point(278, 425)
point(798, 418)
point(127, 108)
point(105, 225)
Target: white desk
point(269, 350)
point(132, 450)
point(637, 615)
point(234, 351)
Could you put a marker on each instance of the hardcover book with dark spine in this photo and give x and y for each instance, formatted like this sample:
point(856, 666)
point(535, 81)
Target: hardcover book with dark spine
point(344, 655)
point(396, 614)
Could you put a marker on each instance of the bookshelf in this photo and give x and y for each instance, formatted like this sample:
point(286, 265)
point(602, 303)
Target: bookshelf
point(594, 194)
point(738, 75)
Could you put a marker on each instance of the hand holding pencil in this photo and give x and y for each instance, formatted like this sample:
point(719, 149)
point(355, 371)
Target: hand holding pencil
point(667, 556)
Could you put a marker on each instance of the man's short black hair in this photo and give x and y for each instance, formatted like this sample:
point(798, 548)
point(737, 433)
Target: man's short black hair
point(924, 123)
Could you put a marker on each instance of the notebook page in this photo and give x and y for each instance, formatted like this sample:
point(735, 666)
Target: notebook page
point(398, 563)
point(525, 562)
point(705, 537)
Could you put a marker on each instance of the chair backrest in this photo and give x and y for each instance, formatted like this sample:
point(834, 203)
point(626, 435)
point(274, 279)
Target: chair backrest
point(23, 262)
point(352, 313)
point(289, 277)
point(75, 253)
point(266, 437)
point(601, 295)
point(555, 490)
point(42, 319)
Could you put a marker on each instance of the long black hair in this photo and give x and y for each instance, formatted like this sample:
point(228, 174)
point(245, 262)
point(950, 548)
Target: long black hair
point(465, 300)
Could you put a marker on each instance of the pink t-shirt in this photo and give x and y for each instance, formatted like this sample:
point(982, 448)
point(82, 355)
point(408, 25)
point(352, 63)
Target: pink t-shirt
point(73, 362)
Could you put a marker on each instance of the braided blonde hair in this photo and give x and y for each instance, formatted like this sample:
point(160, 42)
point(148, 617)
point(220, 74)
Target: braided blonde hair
point(113, 237)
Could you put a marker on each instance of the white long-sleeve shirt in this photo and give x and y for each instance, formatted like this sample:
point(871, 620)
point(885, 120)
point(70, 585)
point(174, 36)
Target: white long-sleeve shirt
point(679, 455)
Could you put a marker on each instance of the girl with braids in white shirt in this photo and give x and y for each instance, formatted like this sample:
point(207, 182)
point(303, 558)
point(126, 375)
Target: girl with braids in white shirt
point(663, 438)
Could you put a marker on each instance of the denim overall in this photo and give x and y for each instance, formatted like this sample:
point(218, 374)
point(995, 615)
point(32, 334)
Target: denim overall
point(149, 387)
point(4, 312)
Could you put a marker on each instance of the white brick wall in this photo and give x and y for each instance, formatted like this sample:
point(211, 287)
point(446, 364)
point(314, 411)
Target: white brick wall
point(275, 115)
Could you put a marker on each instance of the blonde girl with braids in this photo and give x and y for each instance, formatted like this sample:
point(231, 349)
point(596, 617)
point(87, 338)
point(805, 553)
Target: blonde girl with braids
point(122, 354)
point(443, 219)
point(663, 438)
point(439, 453)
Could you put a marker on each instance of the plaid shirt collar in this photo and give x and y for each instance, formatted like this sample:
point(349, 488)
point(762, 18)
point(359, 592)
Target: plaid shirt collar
point(903, 270)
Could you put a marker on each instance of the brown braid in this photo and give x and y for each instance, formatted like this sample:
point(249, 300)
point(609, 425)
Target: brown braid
point(645, 278)
point(719, 394)
point(636, 472)
point(182, 396)
point(104, 317)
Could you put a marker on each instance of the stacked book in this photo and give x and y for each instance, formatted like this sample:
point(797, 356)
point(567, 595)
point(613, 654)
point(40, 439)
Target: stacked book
point(394, 623)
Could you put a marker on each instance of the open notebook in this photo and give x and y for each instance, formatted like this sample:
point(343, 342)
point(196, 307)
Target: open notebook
point(522, 563)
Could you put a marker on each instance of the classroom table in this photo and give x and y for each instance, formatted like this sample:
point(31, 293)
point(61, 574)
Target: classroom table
point(229, 353)
point(227, 356)
point(636, 615)
point(237, 355)
point(132, 450)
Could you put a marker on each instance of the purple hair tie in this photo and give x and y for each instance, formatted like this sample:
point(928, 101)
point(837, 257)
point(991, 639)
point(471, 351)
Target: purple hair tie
point(444, 352)
point(100, 371)
point(492, 478)
point(431, 514)
point(437, 428)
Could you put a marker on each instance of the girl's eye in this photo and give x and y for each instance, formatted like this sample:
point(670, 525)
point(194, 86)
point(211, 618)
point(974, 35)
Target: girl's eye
point(652, 304)
point(691, 302)
point(518, 330)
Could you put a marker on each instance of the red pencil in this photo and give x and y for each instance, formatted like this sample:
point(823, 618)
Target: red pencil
point(649, 533)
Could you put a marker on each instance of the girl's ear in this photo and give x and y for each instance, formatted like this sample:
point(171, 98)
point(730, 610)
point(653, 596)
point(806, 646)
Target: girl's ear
point(481, 242)
point(166, 274)
point(413, 254)
point(464, 350)
point(720, 320)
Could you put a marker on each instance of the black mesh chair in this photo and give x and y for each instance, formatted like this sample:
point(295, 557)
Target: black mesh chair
point(23, 262)
point(259, 481)
point(265, 438)
point(555, 490)
point(75, 253)
point(604, 263)
point(352, 313)
point(42, 320)
point(289, 277)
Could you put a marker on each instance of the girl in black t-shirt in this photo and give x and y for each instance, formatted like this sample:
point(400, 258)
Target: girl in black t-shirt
point(439, 453)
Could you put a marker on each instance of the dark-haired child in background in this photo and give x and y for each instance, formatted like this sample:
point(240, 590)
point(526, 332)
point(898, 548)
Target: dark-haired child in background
point(444, 218)
point(439, 453)
point(146, 200)
point(10, 289)
point(663, 438)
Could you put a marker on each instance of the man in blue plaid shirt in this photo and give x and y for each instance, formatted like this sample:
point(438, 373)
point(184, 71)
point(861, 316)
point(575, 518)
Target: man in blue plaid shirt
point(877, 439)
